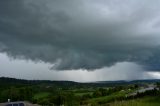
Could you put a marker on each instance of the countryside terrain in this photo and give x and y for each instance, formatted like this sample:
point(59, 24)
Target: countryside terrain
point(68, 93)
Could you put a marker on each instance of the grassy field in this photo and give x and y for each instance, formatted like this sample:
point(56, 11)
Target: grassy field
point(105, 99)
point(146, 101)
point(83, 93)
point(41, 95)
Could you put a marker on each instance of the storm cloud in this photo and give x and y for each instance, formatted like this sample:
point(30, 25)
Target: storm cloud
point(81, 34)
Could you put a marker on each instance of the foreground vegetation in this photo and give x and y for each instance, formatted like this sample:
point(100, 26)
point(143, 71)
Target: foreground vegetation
point(68, 93)
point(145, 101)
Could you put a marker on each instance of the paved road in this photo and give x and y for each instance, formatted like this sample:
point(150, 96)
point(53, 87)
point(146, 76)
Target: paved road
point(142, 90)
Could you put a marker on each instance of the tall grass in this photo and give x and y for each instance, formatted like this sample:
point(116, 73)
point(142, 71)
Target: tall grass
point(147, 101)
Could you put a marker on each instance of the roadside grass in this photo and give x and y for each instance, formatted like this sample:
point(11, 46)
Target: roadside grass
point(145, 101)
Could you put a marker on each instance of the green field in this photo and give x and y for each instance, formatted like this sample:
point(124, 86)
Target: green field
point(146, 101)
point(41, 95)
point(83, 93)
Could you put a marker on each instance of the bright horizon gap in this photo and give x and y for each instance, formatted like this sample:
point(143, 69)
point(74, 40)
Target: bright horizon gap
point(42, 72)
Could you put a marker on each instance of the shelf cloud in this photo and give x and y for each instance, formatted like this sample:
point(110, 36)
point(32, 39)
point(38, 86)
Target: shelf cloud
point(82, 34)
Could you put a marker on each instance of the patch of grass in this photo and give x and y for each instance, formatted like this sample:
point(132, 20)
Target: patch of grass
point(106, 99)
point(146, 101)
point(41, 95)
point(83, 93)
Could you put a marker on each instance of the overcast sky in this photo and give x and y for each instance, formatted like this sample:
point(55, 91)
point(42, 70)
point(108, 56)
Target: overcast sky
point(80, 40)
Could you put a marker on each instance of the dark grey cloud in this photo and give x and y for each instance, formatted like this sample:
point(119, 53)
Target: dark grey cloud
point(84, 34)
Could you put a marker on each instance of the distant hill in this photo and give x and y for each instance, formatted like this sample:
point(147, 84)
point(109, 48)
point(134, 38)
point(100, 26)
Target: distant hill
point(14, 81)
point(131, 82)
point(4, 81)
